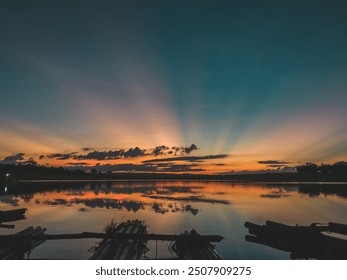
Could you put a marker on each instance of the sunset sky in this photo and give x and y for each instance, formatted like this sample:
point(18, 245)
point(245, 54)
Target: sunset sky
point(173, 86)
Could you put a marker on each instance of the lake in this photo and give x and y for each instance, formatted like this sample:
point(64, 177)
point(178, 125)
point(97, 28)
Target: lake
point(171, 207)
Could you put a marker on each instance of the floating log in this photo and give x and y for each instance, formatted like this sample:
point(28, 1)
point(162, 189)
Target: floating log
point(118, 235)
point(6, 226)
point(15, 249)
point(12, 215)
point(302, 241)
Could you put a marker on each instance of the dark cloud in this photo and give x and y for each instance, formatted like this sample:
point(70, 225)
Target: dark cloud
point(77, 163)
point(110, 204)
point(184, 150)
point(158, 208)
point(189, 208)
point(179, 168)
point(276, 165)
point(275, 194)
point(100, 155)
point(13, 159)
point(10, 200)
point(18, 159)
point(190, 158)
point(189, 198)
point(178, 190)
point(165, 150)
point(41, 157)
point(163, 208)
point(58, 201)
point(116, 154)
point(136, 152)
point(29, 161)
point(122, 153)
point(128, 167)
point(277, 162)
point(62, 156)
point(160, 150)
point(188, 150)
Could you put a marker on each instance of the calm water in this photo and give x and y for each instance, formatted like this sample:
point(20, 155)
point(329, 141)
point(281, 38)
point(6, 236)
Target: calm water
point(171, 207)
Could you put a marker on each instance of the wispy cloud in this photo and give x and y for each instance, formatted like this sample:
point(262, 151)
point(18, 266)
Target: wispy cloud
point(267, 162)
point(130, 167)
point(81, 164)
point(188, 158)
point(60, 156)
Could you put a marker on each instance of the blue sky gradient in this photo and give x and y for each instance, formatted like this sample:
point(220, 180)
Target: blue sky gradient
point(256, 80)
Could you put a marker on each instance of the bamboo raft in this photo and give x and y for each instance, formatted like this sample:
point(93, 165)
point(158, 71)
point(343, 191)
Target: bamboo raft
point(15, 249)
point(126, 241)
point(123, 248)
point(303, 242)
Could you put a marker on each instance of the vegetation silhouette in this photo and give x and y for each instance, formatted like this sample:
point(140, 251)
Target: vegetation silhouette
point(336, 172)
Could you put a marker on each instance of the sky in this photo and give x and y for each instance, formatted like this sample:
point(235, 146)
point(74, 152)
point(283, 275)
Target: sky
point(173, 86)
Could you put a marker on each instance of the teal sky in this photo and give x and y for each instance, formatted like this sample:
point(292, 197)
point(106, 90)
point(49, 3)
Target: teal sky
point(257, 80)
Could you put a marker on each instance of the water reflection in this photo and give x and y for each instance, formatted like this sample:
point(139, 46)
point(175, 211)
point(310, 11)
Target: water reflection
point(312, 190)
point(172, 207)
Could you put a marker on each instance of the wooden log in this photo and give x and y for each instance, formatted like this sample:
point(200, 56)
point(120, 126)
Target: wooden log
point(96, 235)
point(6, 226)
point(14, 212)
point(24, 231)
point(9, 219)
point(12, 215)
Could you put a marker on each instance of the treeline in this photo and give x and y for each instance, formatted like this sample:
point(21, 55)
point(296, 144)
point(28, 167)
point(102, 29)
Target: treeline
point(310, 172)
point(37, 172)
point(338, 168)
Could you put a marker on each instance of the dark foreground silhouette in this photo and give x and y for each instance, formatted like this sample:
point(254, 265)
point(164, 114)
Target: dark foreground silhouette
point(303, 242)
point(124, 241)
point(11, 216)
